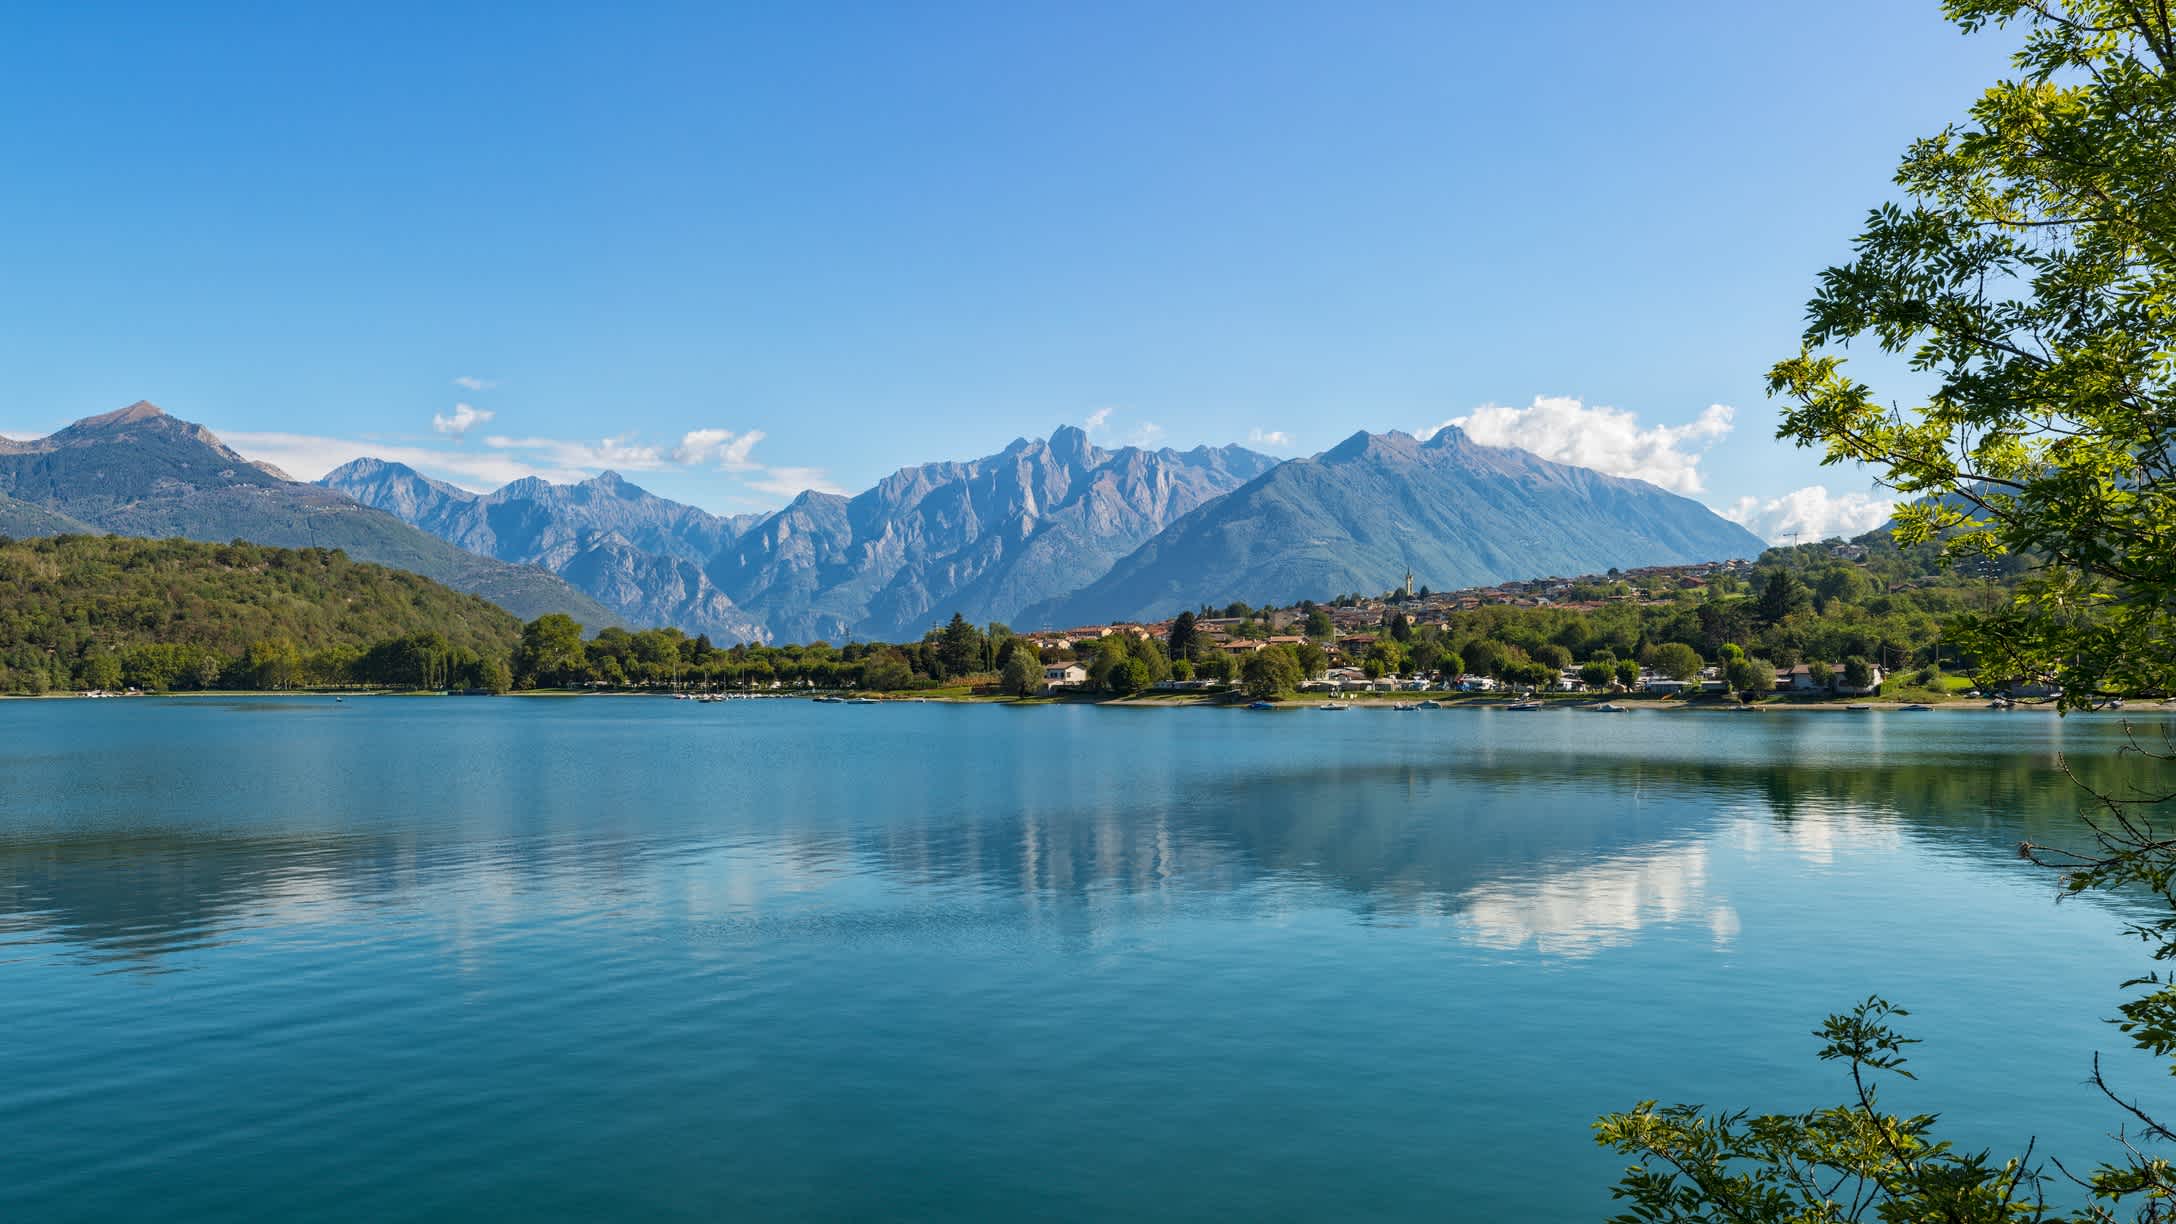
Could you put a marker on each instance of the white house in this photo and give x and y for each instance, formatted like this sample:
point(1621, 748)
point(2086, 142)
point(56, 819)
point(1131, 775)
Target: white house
point(1476, 684)
point(1063, 675)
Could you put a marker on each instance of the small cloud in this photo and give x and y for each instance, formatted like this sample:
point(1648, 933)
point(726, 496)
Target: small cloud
point(469, 382)
point(463, 419)
point(1608, 440)
point(1810, 514)
point(1270, 437)
point(1097, 420)
point(790, 481)
point(728, 449)
point(621, 452)
point(1147, 434)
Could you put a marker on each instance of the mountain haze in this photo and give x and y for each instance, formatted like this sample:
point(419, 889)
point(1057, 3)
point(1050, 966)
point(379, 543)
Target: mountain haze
point(140, 472)
point(1358, 516)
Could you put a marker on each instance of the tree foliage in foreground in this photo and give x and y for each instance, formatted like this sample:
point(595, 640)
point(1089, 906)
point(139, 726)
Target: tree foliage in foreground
point(2033, 276)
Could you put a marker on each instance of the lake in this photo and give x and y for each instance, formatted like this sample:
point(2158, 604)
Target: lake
point(403, 958)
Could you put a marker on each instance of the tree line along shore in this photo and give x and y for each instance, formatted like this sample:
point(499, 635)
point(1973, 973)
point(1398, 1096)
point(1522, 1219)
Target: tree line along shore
point(1859, 620)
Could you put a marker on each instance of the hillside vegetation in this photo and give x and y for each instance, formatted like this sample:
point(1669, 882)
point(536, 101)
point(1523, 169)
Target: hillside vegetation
point(92, 612)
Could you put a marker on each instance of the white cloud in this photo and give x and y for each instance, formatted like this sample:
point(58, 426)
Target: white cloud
point(1810, 514)
point(1097, 420)
point(729, 449)
point(309, 456)
point(1270, 437)
point(506, 458)
point(463, 419)
point(789, 481)
point(1147, 434)
point(1606, 439)
point(469, 382)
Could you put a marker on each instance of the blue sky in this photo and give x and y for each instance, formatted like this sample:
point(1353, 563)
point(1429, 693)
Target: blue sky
point(640, 235)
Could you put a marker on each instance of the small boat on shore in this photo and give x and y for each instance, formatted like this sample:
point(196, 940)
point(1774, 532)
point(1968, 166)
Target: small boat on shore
point(1610, 707)
point(1528, 704)
point(1858, 707)
point(1261, 705)
point(1430, 704)
point(1917, 705)
point(1405, 705)
point(1333, 705)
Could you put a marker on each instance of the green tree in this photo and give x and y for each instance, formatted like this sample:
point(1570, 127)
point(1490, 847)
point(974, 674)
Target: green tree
point(1127, 677)
point(1628, 673)
point(1749, 677)
point(1269, 675)
point(1858, 672)
point(2032, 278)
point(886, 672)
point(550, 654)
point(1320, 626)
point(1781, 595)
point(1023, 675)
point(1181, 639)
point(99, 670)
point(959, 647)
point(1597, 674)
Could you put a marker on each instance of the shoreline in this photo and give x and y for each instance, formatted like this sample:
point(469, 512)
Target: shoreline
point(1381, 701)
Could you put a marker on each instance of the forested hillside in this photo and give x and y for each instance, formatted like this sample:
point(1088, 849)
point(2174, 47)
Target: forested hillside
point(90, 612)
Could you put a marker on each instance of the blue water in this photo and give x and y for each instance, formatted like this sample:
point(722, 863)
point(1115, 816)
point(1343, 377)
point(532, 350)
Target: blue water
point(403, 958)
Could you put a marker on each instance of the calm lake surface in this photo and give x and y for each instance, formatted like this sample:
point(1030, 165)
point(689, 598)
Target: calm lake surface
point(568, 958)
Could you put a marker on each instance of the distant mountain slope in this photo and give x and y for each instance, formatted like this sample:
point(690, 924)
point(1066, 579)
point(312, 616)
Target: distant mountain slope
point(22, 520)
point(986, 538)
point(141, 472)
point(1357, 517)
point(640, 554)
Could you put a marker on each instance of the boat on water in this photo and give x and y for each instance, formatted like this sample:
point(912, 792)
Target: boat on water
point(1261, 705)
point(1333, 705)
point(1917, 705)
point(1430, 704)
point(1528, 704)
point(860, 701)
point(1859, 706)
point(1405, 705)
point(1611, 707)
point(827, 698)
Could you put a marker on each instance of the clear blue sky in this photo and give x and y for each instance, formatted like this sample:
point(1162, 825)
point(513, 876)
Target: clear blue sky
point(881, 234)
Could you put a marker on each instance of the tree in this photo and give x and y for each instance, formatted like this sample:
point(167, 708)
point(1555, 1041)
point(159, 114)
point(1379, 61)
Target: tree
point(1023, 676)
point(959, 647)
point(1553, 655)
point(1821, 674)
point(273, 663)
point(99, 670)
point(1628, 673)
point(1781, 594)
point(1401, 628)
point(1181, 639)
point(1269, 675)
point(550, 653)
point(886, 672)
point(1127, 677)
point(494, 676)
point(1597, 674)
point(2032, 277)
point(1858, 672)
point(1320, 626)
point(1750, 677)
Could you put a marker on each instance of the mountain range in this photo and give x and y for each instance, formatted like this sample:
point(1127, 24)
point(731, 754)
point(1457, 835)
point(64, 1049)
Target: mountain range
point(1359, 516)
point(987, 537)
point(140, 472)
point(1046, 532)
